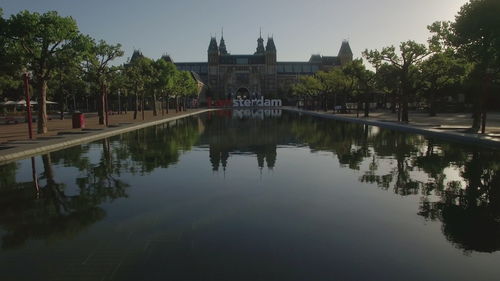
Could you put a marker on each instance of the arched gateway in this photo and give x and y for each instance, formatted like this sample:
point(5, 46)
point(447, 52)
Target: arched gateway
point(243, 93)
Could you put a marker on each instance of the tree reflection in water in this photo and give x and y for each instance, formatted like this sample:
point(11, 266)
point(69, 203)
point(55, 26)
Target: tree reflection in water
point(49, 212)
point(468, 205)
point(458, 185)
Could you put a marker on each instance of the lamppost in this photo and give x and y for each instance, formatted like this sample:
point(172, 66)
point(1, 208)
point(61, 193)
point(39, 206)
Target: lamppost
point(28, 103)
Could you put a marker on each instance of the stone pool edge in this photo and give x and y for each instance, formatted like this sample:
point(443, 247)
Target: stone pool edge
point(452, 136)
point(34, 149)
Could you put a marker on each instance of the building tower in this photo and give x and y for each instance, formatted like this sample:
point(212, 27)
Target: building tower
point(345, 53)
point(213, 67)
point(271, 68)
point(222, 45)
point(260, 45)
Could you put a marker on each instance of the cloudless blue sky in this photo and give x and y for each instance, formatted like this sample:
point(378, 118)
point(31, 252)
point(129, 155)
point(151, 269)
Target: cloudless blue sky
point(300, 27)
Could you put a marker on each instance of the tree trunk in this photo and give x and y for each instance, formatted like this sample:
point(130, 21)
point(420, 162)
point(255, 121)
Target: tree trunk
point(367, 105)
point(399, 111)
point(106, 106)
point(432, 105)
point(61, 98)
point(404, 109)
point(155, 110)
point(176, 104)
point(486, 92)
point(61, 105)
point(136, 109)
point(143, 100)
point(393, 103)
point(335, 103)
point(42, 107)
point(162, 103)
point(168, 102)
point(101, 105)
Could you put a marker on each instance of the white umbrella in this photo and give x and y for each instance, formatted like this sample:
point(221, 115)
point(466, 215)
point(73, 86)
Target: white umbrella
point(23, 102)
point(9, 102)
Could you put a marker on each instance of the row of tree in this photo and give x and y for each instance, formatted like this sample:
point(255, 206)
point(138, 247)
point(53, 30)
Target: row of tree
point(65, 63)
point(461, 57)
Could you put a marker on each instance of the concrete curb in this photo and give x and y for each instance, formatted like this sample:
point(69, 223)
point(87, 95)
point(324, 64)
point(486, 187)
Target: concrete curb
point(451, 136)
point(22, 152)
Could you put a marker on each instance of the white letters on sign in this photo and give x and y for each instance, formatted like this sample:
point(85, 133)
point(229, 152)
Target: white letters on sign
point(256, 102)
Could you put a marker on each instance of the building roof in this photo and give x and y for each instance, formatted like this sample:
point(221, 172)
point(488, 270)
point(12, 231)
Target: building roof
point(315, 59)
point(167, 58)
point(345, 49)
point(270, 47)
point(330, 60)
point(196, 77)
point(222, 46)
point(213, 45)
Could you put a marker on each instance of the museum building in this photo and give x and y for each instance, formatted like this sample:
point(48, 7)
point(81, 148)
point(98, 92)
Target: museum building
point(255, 75)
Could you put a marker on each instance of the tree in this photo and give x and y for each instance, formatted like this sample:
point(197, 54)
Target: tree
point(186, 86)
point(439, 74)
point(117, 80)
point(477, 36)
point(100, 57)
point(411, 55)
point(307, 87)
point(364, 80)
point(10, 62)
point(68, 73)
point(166, 72)
point(41, 39)
point(387, 81)
point(139, 72)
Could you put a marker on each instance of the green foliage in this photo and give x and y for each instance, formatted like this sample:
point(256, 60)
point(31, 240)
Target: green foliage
point(309, 86)
point(139, 72)
point(185, 84)
point(387, 79)
point(362, 77)
point(99, 58)
point(411, 54)
point(441, 72)
point(477, 33)
point(41, 39)
point(166, 72)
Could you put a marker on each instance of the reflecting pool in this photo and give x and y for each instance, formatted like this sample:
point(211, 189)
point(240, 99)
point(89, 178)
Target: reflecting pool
point(253, 195)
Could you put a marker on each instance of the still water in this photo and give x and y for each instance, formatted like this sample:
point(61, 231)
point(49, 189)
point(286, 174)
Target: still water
point(253, 195)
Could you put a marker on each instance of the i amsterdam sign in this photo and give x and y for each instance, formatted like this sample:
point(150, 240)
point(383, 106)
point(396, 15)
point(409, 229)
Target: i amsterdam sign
point(250, 102)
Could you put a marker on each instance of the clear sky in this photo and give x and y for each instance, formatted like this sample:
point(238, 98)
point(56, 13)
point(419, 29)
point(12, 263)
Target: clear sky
point(300, 27)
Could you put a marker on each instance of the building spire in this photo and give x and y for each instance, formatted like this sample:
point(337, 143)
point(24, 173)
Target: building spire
point(222, 45)
point(260, 43)
point(212, 47)
point(270, 47)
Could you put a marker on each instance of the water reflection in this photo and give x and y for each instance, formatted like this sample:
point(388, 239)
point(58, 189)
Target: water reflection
point(457, 185)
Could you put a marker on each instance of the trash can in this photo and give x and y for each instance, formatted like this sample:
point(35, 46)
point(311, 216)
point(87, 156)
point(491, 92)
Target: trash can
point(78, 120)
